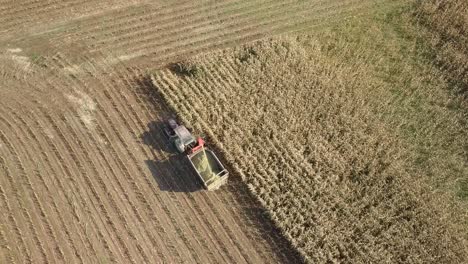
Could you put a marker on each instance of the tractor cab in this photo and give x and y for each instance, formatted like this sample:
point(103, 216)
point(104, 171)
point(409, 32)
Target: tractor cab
point(183, 139)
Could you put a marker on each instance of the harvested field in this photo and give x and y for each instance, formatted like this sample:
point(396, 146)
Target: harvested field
point(86, 175)
point(150, 33)
point(311, 147)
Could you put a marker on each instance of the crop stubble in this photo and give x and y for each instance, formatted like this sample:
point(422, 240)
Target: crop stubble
point(153, 33)
point(83, 164)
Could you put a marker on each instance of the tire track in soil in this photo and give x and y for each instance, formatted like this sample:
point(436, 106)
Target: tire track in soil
point(37, 248)
point(65, 225)
point(62, 162)
point(68, 121)
point(45, 224)
point(74, 154)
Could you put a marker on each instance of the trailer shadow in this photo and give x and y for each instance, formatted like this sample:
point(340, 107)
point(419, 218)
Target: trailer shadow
point(171, 176)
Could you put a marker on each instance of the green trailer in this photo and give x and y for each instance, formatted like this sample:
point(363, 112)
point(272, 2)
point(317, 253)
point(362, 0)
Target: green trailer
point(208, 167)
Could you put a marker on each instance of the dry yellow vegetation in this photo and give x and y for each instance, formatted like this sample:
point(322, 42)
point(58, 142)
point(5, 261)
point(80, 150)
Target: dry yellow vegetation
point(299, 128)
point(447, 26)
point(349, 138)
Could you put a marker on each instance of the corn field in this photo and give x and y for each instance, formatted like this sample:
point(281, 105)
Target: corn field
point(300, 130)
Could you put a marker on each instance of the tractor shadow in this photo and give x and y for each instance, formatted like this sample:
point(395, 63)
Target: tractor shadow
point(155, 129)
point(170, 170)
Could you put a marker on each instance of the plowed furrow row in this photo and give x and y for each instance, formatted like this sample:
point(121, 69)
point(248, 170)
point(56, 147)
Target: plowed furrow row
point(42, 9)
point(122, 190)
point(154, 216)
point(113, 201)
point(59, 15)
point(233, 25)
point(46, 224)
point(154, 238)
point(120, 18)
point(96, 170)
point(185, 23)
point(118, 223)
point(77, 165)
point(187, 240)
point(75, 199)
point(119, 30)
point(63, 170)
point(15, 7)
point(20, 196)
point(252, 26)
point(14, 229)
point(5, 250)
point(235, 32)
point(140, 195)
point(65, 225)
